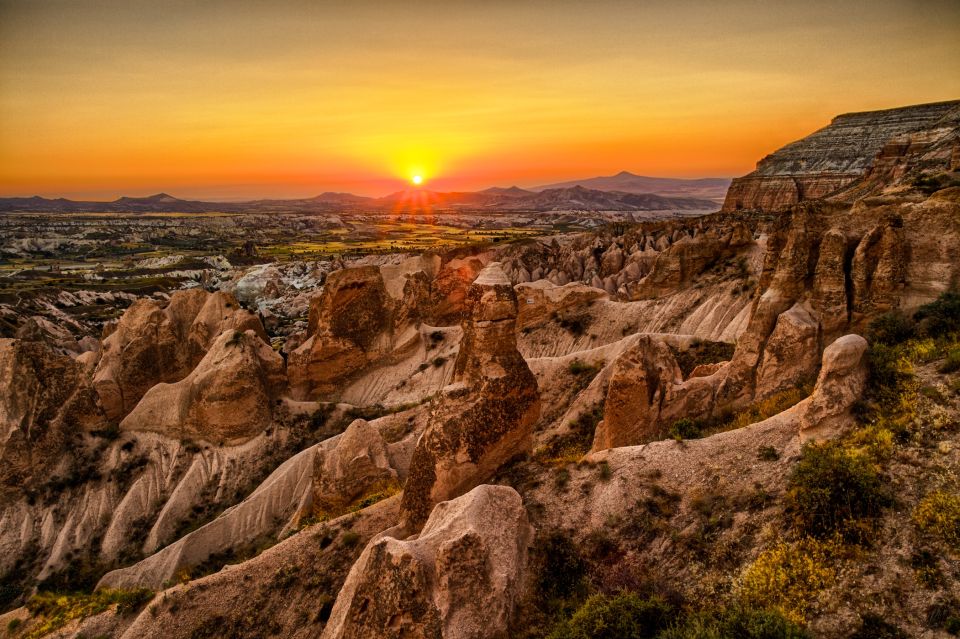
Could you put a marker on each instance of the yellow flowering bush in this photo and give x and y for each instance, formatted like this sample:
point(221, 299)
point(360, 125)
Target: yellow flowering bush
point(939, 514)
point(789, 576)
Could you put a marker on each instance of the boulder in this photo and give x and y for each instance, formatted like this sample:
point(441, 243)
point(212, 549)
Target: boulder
point(228, 398)
point(842, 379)
point(486, 415)
point(460, 578)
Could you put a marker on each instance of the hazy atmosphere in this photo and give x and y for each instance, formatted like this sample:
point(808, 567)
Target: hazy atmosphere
point(245, 99)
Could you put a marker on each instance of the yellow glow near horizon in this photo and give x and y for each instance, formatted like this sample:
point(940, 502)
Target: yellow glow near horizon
point(290, 98)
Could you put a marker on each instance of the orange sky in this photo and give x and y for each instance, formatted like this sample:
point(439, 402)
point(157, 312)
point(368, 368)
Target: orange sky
point(246, 99)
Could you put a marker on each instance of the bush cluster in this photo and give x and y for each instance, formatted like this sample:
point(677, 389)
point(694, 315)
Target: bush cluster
point(938, 514)
point(833, 491)
point(789, 576)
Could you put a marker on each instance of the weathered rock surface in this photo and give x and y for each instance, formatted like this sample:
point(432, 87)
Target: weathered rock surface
point(353, 323)
point(847, 150)
point(638, 385)
point(541, 300)
point(486, 415)
point(45, 403)
point(842, 380)
point(460, 578)
point(358, 463)
point(230, 395)
point(791, 352)
point(153, 344)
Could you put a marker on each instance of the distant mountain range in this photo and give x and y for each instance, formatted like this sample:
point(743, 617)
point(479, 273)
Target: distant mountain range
point(557, 198)
point(704, 188)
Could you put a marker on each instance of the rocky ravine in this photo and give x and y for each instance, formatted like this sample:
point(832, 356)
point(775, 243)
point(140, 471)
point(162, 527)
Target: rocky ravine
point(445, 429)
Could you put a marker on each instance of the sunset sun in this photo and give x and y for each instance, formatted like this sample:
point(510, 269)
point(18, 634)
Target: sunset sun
point(417, 180)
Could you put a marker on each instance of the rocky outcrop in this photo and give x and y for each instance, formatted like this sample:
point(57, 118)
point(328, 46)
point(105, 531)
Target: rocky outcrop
point(841, 383)
point(878, 268)
point(229, 397)
point(486, 415)
point(688, 257)
point(823, 275)
point(357, 464)
point(153, 344)
point(353, 324)
point(539, 301)
point(854, 147)
point(448, 290)
point(45, 403)
point(791, 352)
point(639, 382)
point(460, 578)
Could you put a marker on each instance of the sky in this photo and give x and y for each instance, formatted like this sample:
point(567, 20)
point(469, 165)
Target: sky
point(289, 98)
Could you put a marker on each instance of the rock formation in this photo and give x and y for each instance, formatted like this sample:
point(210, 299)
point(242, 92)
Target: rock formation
point(228, 397)
point(355, 323)
point(46, 403)
point(853, 147)
point(460, 578)
point(841, 382)
point(486, 415)
point(638, 386)
point(358, 463)
point(153, 344)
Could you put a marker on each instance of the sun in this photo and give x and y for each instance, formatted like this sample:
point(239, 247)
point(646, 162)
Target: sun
point(417, 180)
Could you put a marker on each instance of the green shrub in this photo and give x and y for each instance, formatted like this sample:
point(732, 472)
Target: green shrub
point(767, 453)
point(940, 317)
point(55, 610)
point(685, 428)
point(560, 567)
point(622, 616)
point(874, 626)
point(737, 622)
point(833, 491)
point(952, 363)
point(349, 539)
point(890, 329)
point(579, 368)
point(574, 444)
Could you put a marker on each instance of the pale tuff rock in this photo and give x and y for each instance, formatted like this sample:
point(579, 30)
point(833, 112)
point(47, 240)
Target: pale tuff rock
point(791, 352)
point(153, 344)
point(358, 463)
point(878, 269)
point(842, 379)
point(637, 387)
point(229, 396)
point(460, 578)
point(540, 300)
point(46, 401)
point(353, 324)
point(487, 415)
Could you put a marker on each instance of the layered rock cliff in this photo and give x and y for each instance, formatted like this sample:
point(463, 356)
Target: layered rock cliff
point(873, 147)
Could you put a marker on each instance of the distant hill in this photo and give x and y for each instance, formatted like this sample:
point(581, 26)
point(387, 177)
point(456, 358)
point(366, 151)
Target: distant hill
point(705, 188)
point(576, 198)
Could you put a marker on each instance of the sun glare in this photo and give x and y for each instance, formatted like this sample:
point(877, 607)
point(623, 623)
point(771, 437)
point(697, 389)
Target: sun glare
point(417, 179)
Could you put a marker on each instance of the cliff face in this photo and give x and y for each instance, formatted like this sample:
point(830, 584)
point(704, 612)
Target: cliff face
point(851, 149)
